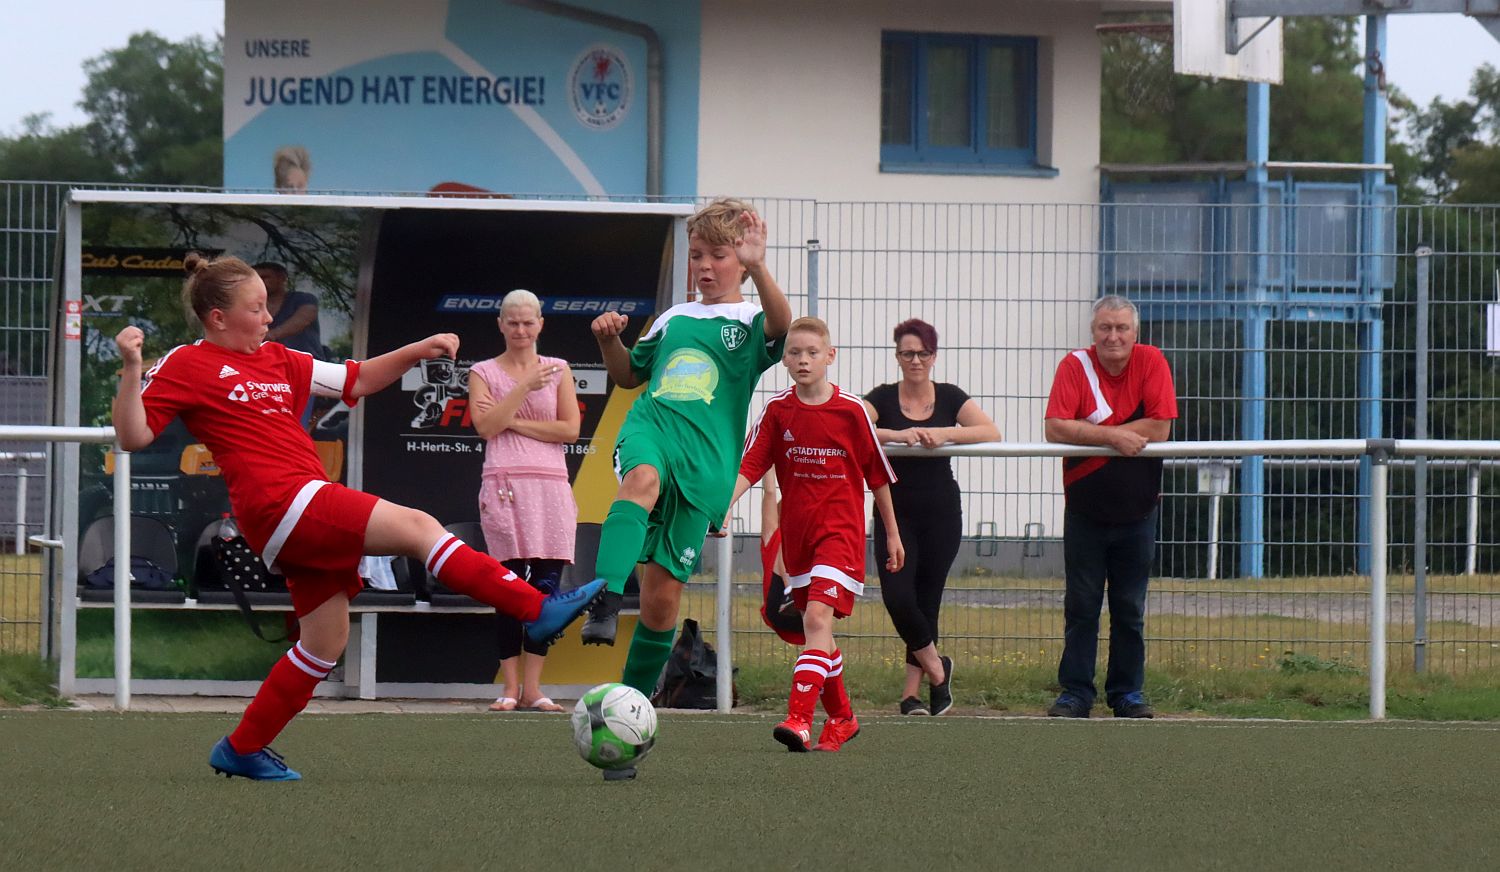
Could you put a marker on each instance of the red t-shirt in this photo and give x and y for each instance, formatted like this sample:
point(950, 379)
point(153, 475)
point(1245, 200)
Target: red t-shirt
point(1113, 490)
point(247, 408)
point(824, 456)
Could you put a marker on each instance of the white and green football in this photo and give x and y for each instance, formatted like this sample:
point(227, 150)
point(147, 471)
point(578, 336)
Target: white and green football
point(614, 726)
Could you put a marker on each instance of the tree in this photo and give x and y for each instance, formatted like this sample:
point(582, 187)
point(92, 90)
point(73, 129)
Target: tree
point(42, 151)
point(155, 112)
point(1458, 143)
point(1151, 115)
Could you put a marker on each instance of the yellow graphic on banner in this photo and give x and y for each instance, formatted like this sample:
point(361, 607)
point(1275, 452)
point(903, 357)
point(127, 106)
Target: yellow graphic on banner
point(689, 375)
point(595, 485)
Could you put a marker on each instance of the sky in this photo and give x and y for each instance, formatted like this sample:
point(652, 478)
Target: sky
point(41, 70)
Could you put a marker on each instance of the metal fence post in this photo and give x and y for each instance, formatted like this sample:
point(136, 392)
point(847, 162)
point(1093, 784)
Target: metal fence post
point(21, 509)
point(725, 631)
point(1419, 486)
point(814, 248)
point(1379, 485)
point(1471, 525)
point(122, 579)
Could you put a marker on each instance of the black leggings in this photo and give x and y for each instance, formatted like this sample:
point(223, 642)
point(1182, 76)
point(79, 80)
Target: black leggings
point(930, 533)
point(545, 576)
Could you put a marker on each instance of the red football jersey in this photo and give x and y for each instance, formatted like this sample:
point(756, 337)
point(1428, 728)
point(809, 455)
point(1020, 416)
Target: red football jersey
point(824, 456)
point(1113, 490)
point(247, 409)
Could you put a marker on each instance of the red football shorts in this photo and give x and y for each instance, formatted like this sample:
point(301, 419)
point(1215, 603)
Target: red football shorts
point(823, 590)
point(321, 557)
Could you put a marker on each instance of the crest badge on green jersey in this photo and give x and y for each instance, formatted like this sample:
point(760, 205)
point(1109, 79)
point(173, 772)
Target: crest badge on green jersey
point(734, 336)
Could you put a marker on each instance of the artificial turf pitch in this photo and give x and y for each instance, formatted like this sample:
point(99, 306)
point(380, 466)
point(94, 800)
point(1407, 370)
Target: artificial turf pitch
point(110, 791)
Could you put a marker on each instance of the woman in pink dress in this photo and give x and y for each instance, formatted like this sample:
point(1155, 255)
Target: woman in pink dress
point(525, 407)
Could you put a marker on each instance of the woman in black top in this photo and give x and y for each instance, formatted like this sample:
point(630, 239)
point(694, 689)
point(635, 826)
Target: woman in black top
point(919, 411)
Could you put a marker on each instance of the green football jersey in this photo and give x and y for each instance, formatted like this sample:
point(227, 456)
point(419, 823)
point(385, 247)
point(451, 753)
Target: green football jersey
point(701, 364)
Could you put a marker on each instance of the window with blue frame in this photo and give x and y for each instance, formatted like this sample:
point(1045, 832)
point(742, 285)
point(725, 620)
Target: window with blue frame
point(957, 103)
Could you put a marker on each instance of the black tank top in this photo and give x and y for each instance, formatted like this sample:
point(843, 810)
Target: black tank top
point(919, 475)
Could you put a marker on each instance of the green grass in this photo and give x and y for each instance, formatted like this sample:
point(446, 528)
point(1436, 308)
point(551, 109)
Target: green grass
point(92, 790)
point(27, 680)
point(180, 644)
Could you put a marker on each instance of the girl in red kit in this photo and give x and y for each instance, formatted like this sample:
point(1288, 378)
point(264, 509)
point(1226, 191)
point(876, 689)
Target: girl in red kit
point(243, 398)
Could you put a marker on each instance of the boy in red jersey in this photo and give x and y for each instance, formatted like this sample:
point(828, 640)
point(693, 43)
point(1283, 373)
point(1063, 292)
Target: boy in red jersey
point(243, 397)
point(823, 447)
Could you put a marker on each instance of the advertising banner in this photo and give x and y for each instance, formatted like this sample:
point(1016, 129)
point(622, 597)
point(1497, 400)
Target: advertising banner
point(458, 95)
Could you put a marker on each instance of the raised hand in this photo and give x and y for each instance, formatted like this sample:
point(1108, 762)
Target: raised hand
point(609, 324)
point(130, 341)
point(751, 247)
point(438, 345)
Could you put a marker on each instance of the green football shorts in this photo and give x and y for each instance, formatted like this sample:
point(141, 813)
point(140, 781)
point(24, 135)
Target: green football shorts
point(676, 528)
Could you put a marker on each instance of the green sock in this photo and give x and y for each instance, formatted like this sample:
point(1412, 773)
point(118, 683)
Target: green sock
point(620, 543)
point(649, 650)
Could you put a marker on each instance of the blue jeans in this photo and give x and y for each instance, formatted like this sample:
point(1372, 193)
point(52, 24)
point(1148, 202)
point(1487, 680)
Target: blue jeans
point(1099, 556)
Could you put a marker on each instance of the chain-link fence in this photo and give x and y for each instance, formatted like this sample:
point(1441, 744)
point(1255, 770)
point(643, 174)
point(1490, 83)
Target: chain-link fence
point(1297, 317)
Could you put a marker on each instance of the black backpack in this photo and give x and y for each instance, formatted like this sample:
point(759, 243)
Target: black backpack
point(691, 677)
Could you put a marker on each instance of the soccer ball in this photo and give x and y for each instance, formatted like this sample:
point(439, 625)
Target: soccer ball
point(614, 726)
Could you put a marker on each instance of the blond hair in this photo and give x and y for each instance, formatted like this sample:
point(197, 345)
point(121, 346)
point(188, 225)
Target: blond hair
point(211, 283)
point(718, 223)
point(809, 324)
point(520, 297)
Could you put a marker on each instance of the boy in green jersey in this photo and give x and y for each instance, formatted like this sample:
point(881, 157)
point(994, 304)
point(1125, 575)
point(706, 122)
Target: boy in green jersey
point(679, 448)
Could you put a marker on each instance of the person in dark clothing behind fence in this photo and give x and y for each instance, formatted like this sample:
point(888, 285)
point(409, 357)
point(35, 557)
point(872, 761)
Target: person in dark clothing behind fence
point(1120, 394)
point(920, 411)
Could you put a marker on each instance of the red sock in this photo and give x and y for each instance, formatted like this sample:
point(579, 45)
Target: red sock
point(282, 695)
point(466, 571)
point(807, 683)
point(835, 698)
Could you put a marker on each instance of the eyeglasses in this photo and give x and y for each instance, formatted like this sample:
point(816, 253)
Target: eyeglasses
point(909, 356)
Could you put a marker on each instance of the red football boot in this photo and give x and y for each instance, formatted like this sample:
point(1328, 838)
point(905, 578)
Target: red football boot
point(837, 731)
point(795, 734)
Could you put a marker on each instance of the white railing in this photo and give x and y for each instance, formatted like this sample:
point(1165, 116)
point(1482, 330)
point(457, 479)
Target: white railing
point(105, 436)
point(22, 474)
point(1381, 451)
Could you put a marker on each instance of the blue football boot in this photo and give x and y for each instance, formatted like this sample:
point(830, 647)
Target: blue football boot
point(560, 609)
point(263, 765)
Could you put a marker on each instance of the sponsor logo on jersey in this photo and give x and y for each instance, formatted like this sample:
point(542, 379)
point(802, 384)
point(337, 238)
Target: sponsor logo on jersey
point(228, 371)
point(239, 394)
point(733, 335)
point(689, 375)
point(787, 436)
point(808, 454)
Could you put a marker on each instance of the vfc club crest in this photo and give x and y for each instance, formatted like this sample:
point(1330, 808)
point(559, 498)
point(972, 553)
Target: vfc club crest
point(734, 336)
